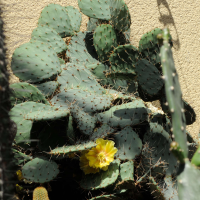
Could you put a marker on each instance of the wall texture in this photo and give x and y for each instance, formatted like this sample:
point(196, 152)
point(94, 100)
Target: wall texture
point(181, 16)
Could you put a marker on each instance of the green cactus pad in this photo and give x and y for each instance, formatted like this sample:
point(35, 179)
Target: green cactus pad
point(149, 78)
point(86, 100)
point(35, 62)
point(38, 111)
point(101, 132)
point(125, 115)
point(127, 170)
point(40, 170)
point(164, 189)
point(173, 94)
point(20, 158)
point(81, 49)
point(95, 8)
point(105, 40)
point(75, 17)
point(23, 126)
point(26, 92)
point(92, 24)
point(128, 143)
point(100, 71)
point(59, 101)
point(150, 48)
point(61, 151)
point(123, 60)
point(101, 179)
point(126, 176)
point(47, 88)
point(49, 36)
point(157, 146)
point(77, 76)
point(120, 15)
point(58, 18)
point(85, 122)
point(189, 182)
point(149, 40)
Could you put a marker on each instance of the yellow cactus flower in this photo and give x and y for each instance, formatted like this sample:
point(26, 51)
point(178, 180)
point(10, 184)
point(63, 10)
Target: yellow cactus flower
point(101, 155)
point(84, 164)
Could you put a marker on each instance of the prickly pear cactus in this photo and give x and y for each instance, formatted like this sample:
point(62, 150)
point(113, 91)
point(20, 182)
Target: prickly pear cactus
point(82, 107)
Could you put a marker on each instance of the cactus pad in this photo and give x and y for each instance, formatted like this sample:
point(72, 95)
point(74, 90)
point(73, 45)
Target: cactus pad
point(47, 88)
point(35, 62)
point(126, 176)
point(40, 170)
point(57, 17)
point(128, 143)
point(120, 15)
point(149, 78)
point(26, 92)
point(47, 35)
point(61, 151)
point(105, 40)
point(123, 60)
point(101, 179)
point(101, 132)
point(81, 49)
point(85, 122)
point(124, 115)
point(158, 150)
point(95, 8)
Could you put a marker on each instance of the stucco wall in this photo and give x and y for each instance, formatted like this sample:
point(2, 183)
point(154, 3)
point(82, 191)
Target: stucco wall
point(181, 16)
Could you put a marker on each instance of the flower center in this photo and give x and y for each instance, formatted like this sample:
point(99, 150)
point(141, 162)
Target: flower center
point(102, 157)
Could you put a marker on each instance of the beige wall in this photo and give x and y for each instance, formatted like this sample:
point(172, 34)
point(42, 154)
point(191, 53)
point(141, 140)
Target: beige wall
point(181, 16)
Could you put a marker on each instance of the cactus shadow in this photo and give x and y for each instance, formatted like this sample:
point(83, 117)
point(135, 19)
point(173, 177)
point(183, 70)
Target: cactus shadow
point(90, 46)
point(122, 112)
point(168, 20)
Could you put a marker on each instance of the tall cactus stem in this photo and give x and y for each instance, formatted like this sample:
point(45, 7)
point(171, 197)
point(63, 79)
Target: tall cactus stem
point(7, 129)
point(173, 94)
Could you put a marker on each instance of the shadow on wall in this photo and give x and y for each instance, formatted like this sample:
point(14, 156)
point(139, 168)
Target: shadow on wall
point(167, 19)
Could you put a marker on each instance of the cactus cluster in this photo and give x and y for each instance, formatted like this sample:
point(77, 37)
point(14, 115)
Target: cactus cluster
point(94, 85)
